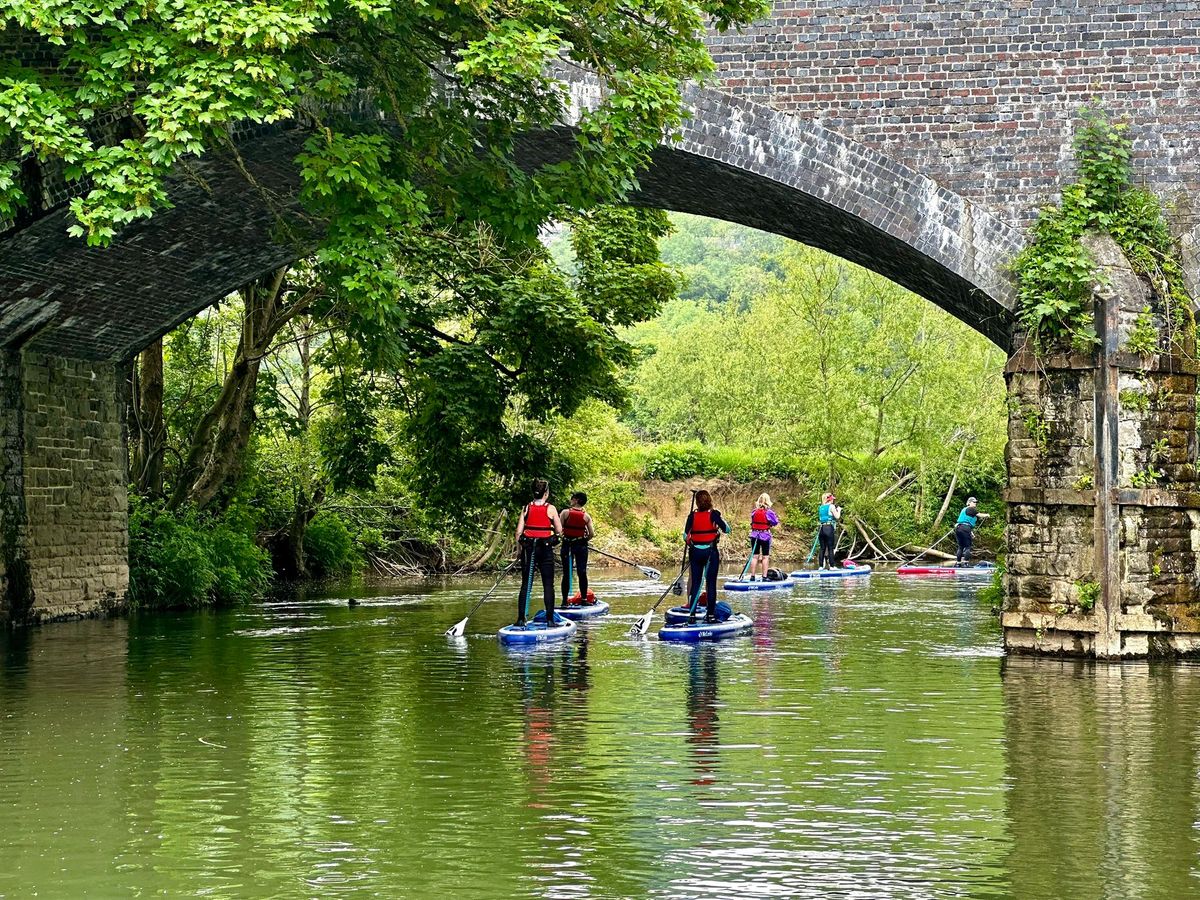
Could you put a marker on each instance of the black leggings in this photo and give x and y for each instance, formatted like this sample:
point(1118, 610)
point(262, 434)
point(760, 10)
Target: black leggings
point(574, 565)
point(539, 555)
point(826, 538)
point(964, 534)
point(705, 566)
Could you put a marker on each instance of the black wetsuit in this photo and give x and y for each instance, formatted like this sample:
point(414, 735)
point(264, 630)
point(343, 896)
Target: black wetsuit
point(536, 554)
point(826, 538)
point(575, 563)
point(964, 534)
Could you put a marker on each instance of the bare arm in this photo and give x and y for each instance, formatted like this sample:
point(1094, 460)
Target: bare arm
point(589, 526)
point(554, 519)
point(520, 526)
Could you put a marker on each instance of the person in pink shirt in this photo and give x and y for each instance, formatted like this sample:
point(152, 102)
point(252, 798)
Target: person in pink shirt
point(762, 520)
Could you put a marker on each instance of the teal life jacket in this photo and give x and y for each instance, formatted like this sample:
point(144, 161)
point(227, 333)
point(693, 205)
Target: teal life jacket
point(825, 513)
point(964, 519)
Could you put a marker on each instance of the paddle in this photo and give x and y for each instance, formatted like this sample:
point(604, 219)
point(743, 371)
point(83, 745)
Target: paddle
point(642, 625)
point(813, 551)
point(459, 629)
point(651, 573)
point(750, 558)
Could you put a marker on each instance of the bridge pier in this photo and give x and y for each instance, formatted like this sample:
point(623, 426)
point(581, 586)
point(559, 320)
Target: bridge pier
point(63, 504)
point(1104, 503)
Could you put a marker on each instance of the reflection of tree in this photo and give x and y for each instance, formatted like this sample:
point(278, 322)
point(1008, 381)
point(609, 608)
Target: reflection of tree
point(702, 711)
point(1103, 762)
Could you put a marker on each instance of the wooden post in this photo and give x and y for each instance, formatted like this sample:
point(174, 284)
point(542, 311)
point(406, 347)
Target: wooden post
point(1107, 521)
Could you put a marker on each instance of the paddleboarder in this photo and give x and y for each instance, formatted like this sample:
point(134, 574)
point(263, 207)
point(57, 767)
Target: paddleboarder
point(828, 514)
point(964, 530)
point(703, 531)
point(538, 530)
point(762, 520)
point(577, 530)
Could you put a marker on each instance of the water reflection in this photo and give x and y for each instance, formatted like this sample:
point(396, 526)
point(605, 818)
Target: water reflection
point(866, 741)
point(703, 739)
point(1102, 773)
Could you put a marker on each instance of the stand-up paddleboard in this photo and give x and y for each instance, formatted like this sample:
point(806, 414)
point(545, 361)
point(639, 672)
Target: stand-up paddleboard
point(678, 615)
point(577, 608)
point(985, 569)
point(745, 584)
point(736, 624)
point(536, 631)
point(847, 572)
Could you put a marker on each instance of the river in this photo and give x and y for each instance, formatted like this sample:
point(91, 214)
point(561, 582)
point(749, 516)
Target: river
point(868, 740)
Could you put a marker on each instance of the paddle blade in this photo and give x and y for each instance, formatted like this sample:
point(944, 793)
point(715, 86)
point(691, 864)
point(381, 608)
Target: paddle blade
point(642, 625)
point(457, 630)
point(652, 574)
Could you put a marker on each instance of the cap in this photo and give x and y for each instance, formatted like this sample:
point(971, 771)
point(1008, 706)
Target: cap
point(971, 501)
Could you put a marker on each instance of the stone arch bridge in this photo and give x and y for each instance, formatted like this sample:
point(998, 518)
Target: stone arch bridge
point(913, 140)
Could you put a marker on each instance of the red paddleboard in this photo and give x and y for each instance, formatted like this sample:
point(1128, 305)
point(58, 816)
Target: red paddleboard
point(945, 570)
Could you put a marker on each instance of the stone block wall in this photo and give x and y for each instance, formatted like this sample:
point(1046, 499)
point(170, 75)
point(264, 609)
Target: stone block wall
point(14, 564)
point(64, 451)
point(1051, 460)
point(1104, 516)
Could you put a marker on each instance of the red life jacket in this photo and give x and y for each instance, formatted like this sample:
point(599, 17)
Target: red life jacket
point(537, 520)
point(574, 524)
point(759, 521)
point(704, 527)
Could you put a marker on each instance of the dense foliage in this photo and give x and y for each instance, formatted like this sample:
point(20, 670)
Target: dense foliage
point(779, 362)
point(1055, 272)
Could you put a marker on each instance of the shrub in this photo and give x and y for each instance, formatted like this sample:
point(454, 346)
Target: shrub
point(184, 558)
point(328, 546)
point(671, 463)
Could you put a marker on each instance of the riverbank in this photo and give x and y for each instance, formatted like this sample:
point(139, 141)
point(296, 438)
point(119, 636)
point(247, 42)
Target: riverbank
point(644, 520)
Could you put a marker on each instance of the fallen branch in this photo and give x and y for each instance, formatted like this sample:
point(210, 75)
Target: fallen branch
point(928, 551)
point(902, 482)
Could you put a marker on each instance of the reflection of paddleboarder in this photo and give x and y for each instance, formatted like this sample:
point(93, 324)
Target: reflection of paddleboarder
point(702, 711)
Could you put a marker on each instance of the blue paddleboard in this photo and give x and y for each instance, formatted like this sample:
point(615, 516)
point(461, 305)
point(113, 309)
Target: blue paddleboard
point(848, 572)
point(579, 611)
point(678, 615)
point(694, 634)
point(537, 632)
point(745, 584)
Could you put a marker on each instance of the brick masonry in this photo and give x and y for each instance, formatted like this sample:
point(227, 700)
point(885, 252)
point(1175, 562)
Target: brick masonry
point(64, 518)
point(980, 95)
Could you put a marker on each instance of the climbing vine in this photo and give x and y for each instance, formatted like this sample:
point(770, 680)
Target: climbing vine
point(1055, 272)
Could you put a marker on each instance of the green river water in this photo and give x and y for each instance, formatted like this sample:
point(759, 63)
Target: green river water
point(868, 740)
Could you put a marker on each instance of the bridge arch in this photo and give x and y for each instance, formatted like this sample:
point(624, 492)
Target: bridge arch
point(734, 159)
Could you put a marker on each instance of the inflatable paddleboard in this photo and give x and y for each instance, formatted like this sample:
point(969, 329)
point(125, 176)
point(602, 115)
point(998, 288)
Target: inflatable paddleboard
point(847, 572)
point(694, 634)
point(744, 584)
point(955, 571)
point(577, 610)
point(678, 615)
point(537, 632)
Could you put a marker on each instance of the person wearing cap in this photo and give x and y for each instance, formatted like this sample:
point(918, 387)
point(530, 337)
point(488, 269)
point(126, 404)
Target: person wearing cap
point(828, 514)
point(964, 529)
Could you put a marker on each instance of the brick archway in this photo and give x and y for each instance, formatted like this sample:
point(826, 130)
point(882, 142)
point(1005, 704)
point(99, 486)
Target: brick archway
point(734, 160)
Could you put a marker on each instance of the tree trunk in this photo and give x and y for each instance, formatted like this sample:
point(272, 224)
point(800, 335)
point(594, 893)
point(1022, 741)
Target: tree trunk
point(217, 452)
point(950, 491)
point(151, 442)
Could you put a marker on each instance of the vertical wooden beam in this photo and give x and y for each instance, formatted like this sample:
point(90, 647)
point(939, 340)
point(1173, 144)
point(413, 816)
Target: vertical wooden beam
point(1107, 521)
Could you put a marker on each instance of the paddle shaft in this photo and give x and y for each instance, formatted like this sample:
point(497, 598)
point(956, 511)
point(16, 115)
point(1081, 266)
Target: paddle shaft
point(492, 590)
point(627, 562)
